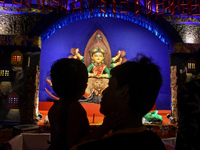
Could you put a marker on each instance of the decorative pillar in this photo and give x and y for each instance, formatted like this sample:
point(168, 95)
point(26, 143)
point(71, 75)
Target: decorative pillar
point(174, 88)
point(36, 98)
point(27, 103)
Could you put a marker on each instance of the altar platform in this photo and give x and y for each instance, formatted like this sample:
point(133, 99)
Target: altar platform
point(95, 118)
point(93, 114)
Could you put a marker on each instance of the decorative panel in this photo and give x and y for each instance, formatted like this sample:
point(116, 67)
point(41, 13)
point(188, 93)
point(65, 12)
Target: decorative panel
point(17, 24)
point(189, 33)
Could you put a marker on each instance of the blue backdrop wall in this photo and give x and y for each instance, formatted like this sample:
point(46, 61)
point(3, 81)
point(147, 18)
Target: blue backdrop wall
point(121, 35)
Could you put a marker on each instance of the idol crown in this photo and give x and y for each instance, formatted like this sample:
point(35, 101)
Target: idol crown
point(98, 50)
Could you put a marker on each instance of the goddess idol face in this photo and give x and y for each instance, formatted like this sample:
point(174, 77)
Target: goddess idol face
point(98, 57)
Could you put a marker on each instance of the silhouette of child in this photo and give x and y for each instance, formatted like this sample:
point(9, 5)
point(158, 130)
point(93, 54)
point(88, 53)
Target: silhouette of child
point(132, 92)
point(68, 119)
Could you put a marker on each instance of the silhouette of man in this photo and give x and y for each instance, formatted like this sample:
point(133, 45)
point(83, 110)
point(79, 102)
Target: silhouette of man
point(132, 92)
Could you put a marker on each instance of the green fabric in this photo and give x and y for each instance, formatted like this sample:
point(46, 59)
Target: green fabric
point(90, 67)
point(111, 66)
point(82, 59)
point(107, 71)
point(152, 116)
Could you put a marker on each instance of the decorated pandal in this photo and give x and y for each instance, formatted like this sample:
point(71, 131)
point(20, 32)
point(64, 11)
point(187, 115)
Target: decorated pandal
point(98, 60)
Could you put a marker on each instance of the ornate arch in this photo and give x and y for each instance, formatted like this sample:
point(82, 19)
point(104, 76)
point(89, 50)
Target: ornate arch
point(137, 19)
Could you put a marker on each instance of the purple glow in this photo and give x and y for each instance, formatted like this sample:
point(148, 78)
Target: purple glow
point(121, 35)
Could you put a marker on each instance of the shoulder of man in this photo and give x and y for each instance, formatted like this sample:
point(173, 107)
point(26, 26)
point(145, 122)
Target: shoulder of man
point(124, 141)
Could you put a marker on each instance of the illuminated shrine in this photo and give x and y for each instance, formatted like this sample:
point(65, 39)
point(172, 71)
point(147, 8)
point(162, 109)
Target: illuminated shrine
point(97, 58)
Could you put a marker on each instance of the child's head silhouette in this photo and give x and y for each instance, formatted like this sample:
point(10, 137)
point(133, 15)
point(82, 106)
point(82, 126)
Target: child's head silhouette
point(69, 78)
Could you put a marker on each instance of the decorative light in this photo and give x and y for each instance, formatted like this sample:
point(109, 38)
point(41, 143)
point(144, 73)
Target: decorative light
point(150, 28)
point(189, 38)
point(137, 19)
point(156, 32)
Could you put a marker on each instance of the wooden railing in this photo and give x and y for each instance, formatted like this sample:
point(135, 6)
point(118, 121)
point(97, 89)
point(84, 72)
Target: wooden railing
point(189, 8)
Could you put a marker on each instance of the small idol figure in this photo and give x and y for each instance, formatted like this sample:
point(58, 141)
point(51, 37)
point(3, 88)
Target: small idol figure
point(97, 67)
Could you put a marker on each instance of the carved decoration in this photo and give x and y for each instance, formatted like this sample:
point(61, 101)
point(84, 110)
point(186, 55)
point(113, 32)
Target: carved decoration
point(174, 88)
point(95, 42)
point(189, 33)
point(17, 24)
